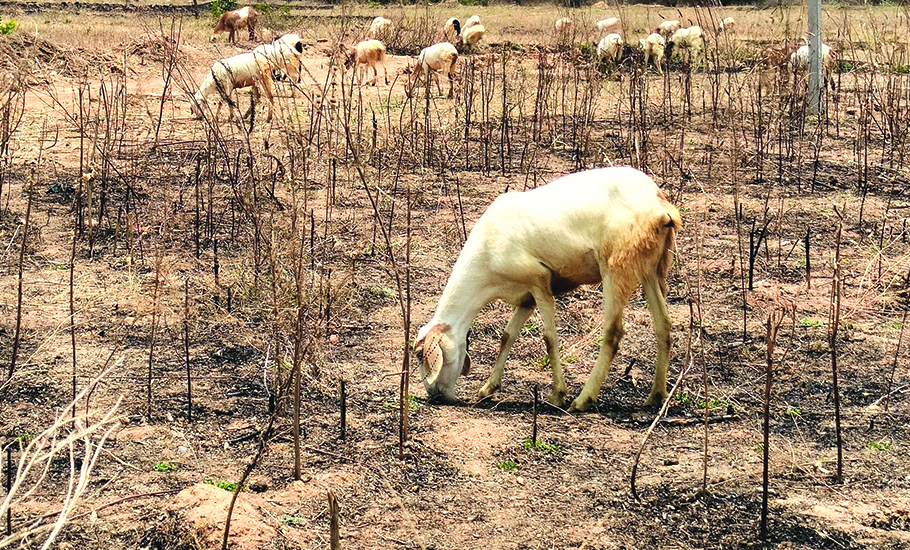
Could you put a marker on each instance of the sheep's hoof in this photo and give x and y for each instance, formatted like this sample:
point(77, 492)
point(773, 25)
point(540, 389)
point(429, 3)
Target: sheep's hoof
point(488, 389)
point(558, 397)
point(558, 400)
point(656, 399)
point(582, 403)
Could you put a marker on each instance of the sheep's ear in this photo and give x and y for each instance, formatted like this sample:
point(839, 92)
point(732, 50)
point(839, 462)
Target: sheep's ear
point(429, 350)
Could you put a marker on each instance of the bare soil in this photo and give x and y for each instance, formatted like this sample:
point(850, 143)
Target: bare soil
point(466, 477)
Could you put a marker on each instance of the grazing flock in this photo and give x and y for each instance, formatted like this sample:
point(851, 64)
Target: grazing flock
point(282, 58)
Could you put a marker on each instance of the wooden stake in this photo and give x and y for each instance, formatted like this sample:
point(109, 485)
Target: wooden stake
point(334, 533)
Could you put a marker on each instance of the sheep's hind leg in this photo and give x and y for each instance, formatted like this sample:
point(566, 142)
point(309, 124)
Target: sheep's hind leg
point(519, 318)
point(614, 301)
point(547, 308)
point(660, 317)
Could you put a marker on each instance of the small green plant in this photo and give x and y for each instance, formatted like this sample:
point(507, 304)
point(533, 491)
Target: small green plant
point(714, 404)
point(760, 447)
point(878, 446)
point(380, 292)
point(807, 322)
point(25, 437)
point(413, 404)
point(682, 397)
point(8, 27)
point(507, 465)
point(291, 520)
point(226, 485)
point(542, 446)
point(164, 467)
point(473, 2)
point(543, 362)
point(895, 325)
point(219, 7)
point(793, 412)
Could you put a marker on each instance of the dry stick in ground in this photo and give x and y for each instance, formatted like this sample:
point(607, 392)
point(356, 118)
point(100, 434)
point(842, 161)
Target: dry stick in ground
point(342, 398)
point(775, 318)
point(17, 336)
point(299, 352)
point(9, 482)
point(73, 317)
point(833, 322)
point(808, 264)
point(186, 349)
point(897, 350)
point(334, 531)
point(654, 424)
point(158, 276)
point(404, 388)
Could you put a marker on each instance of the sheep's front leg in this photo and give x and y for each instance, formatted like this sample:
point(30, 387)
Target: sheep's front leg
point(614, 301)
point(547, 308)
point(519, 318)
point(660, 317)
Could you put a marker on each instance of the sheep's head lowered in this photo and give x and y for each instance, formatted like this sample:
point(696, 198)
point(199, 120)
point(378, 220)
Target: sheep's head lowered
point(442, 360)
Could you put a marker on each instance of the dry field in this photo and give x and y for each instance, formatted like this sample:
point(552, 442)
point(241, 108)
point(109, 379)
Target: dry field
point(145, 251)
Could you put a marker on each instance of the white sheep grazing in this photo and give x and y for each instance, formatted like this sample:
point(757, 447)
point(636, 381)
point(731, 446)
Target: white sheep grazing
point(452, 28)
point(726, 25)
point(653, 46)
point(667, 28)
point(250, 69)
point(470, 37)
point(437, 57)
point(610, 47)
point(367, 54)
point(472, 21)
point(610, 24)
point(283, 55)
point(799, 61)
point(690, 40)
point(610, 226)
point(564, 27)
point(229, 74)
point(380, 28)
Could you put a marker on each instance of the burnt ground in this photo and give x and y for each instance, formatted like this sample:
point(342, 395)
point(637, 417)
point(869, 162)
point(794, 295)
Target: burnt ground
point(466, 477)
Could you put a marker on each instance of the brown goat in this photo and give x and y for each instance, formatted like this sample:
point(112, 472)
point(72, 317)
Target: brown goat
point(233, 21)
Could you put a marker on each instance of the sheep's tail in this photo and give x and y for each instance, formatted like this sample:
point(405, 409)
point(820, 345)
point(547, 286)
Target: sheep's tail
point(672, 222)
